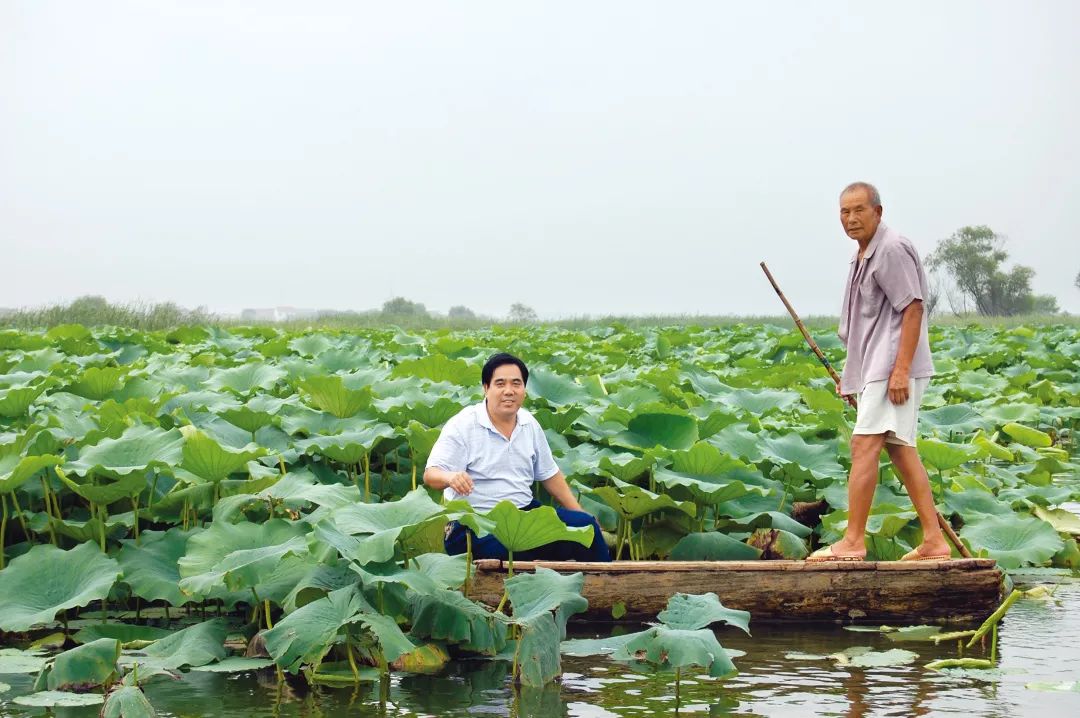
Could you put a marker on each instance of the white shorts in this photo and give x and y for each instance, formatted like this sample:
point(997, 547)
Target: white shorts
point(878, 415)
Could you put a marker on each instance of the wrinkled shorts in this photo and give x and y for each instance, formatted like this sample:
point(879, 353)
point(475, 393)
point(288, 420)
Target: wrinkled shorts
point(878, 415)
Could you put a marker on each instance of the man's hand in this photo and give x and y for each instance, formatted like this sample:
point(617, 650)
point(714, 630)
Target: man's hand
point(899, 382)
point(460, 482)
point(846, 397)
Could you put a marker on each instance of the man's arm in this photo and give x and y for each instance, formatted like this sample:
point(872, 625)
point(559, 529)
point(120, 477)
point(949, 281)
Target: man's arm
point(440, 479)
point(560, 491)
point(910, 327)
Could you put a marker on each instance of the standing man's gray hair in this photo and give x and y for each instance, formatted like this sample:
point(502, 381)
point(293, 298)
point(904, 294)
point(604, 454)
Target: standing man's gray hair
point(875, 197)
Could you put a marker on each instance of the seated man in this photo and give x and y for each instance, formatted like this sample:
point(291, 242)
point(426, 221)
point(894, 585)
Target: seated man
point(494, 451)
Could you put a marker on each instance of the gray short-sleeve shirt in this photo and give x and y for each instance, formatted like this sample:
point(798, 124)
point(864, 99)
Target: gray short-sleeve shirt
point(879, 287)
point(501, 468)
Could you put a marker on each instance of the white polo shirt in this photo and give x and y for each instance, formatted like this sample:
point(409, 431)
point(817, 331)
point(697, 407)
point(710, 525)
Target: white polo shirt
point(501, 469)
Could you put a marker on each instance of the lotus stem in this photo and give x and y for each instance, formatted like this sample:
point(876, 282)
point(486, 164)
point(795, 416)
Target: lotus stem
point(18, 514)
point(135, 510)
point(153, 491)
point(995, 617)
point(167, 619)
point(48, 508)
point(258, 602)
point(352, 660)
point(468, 560)
point(367, 477)
point(266, 612)
point(281, 463)
point(414, 476)
point(3, 528)
point(502, 601)
point(993, 644)
point(510, 564)
point(678, 680)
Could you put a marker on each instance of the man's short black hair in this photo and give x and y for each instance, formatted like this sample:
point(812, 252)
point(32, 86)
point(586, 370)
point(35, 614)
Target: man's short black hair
point(501, 359)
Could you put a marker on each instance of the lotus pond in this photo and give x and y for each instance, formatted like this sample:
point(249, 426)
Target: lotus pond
point(214, 521)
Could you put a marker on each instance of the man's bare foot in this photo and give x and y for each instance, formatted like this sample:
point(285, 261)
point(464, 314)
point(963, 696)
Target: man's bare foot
point(929, 551)
point(838, 552)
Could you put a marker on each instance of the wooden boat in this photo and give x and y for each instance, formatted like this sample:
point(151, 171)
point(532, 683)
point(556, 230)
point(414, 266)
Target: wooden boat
point(869, 592)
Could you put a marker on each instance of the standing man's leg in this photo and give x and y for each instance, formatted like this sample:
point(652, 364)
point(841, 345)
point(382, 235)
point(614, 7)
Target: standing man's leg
point(913, 474)
point(865, 455)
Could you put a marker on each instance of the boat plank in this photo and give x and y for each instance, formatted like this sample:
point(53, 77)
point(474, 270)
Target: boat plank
point(957, 591)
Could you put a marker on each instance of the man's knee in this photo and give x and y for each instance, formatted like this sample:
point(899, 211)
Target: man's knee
point(865, 446)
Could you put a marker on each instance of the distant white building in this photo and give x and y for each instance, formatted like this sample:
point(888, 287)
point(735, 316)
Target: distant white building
point(277, 314)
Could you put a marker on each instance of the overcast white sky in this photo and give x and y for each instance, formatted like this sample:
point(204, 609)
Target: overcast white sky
point(580, 157)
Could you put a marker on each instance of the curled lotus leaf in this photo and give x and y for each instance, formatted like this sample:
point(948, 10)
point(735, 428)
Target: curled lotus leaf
point(691, 612)
point(446, 615)
point(678, 648)
point(547, 591)
point(192, 646)
point(1027, 436)
point(89, 665)
point(713, 546)
point(519, 530)
point(208, 460)
point(236, 556)
point(651, 429)
point(138, 448)
point(127, 702)
point(307, 634)
point(632, 502)
point(246, 378)
point(329, 394)
point(16, 401)
point(151, 565)
point(437, 367)
point(15, 470)
point(46, 580)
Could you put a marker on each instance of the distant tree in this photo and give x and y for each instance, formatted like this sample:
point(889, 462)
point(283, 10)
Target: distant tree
point(402, 307)
point(461, 312)
point(522, 313)
point(973, 257)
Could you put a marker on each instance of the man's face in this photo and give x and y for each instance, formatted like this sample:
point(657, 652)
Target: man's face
point(505, 392)
point(859, 217)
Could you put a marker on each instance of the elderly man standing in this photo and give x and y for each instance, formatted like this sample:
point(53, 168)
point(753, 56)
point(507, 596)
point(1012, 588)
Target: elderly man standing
point(883, 325)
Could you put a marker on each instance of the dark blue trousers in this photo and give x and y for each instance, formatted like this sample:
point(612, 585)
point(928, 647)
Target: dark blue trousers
point(489, 546)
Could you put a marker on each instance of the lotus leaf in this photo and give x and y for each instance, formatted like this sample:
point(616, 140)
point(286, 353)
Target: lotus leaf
point(691, 612)
point(16, 401)
point(127, 702)
point(713, 546)
point(239, 555)
point(90, 665)
point(1013, 540)
point(651, 429)
point(123, 632)
point(519, 530)
point(632, 502)
point(16, 470)
point(59, 699)
point(349, 447)
point(1026, 435)
point(193, 646)
point(677, 648)
point(210, 461)
point(547, 591)
point(235, 664)
point(388, 634)
point(329, 394)
point(307, 634)
point(536, 653)
point(46, 580)
point(446, 615)
point(13, 660)
point(246, 378)
point(137, 449)
point(438, 368)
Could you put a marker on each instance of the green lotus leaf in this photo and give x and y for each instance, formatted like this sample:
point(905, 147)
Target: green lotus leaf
point(329, 394)
point(677, 648)
point(767, 519)
point(953, 418)
point(59, 699)
point(778, 544)
point(703, 459)
point(649, 430)
point(632, 502)
point(246, 378)
point(96, 383)
point(943, 455)
point(210, 461)
point(318, 581)
point(89, 665)
point(880, 659)
point(151, 565)
point(46, 580)
point(237, 556)
point(519, 530)
point(127, 702)
point(446, 615)
point(193, 646)
point(348, 447)
point(16, 470)
point(1026, 435)
point(306, 635)
point(235, 664)
point(411, 510)
point(421, 441)
point(705, 489)
point(990, 447)
point(610, 645)
point(713, 546)
point(537, 650)
point(439, 368)
point(1063, 520)
point(137, 449)
point(1013, 541)
point(818, 460)
point(388, 634)
point(433, 571)
point(971, 503)
point(546, 591)
point(627, 467)
point(885, 521)
point(106, 491)
point(556, 389)
point(13, 660)
point(760, 402)
point(691, 612)
point(310, 345)
point(123, 632)
point(16, 401)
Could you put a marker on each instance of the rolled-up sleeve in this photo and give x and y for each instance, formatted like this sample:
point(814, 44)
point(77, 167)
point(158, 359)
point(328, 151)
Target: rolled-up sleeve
point(544, 466)
point(449, 452)
point(898, 277)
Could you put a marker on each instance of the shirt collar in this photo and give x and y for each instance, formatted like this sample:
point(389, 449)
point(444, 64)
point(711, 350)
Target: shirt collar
point(874, 241)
